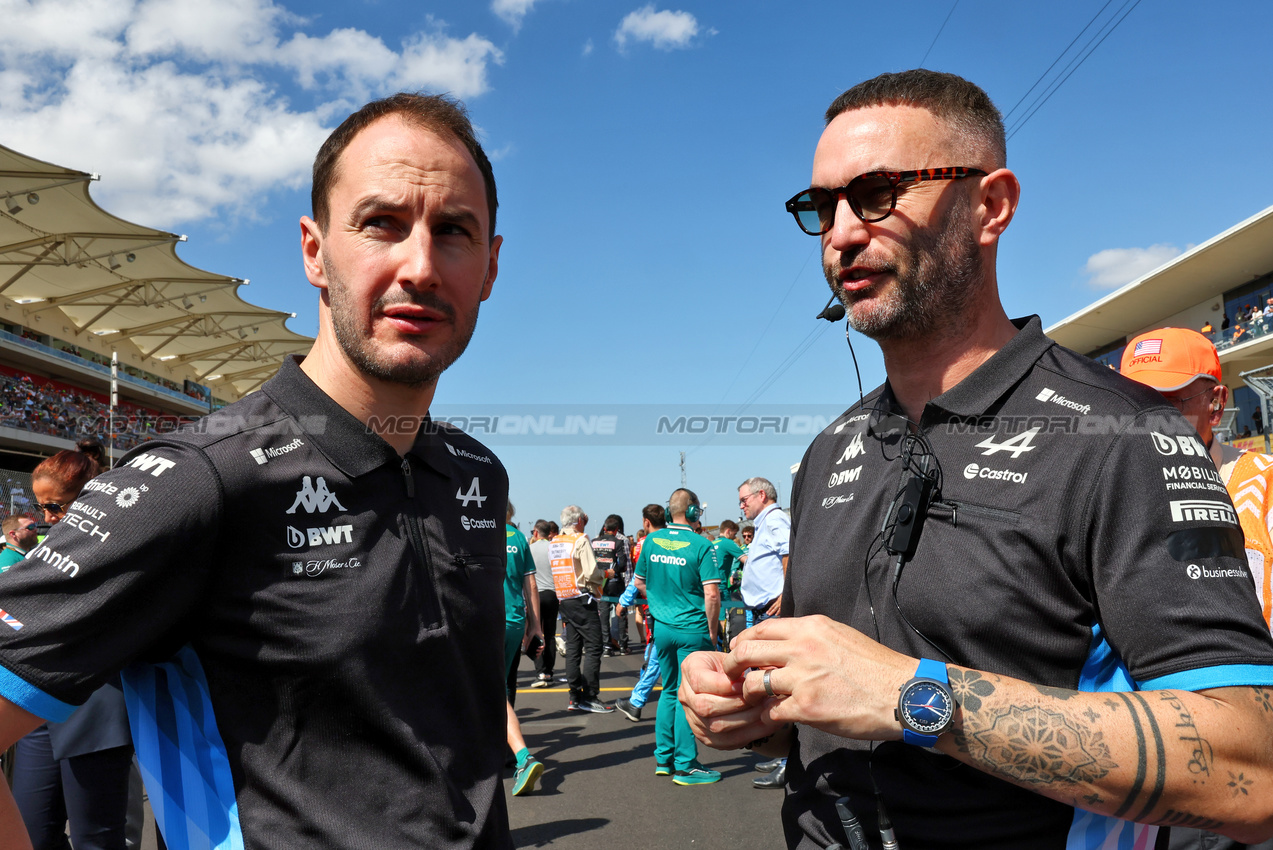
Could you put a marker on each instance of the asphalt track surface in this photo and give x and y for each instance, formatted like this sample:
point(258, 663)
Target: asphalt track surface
point(599, 789)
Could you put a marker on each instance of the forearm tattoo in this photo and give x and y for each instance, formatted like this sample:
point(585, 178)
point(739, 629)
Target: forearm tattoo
point(1039, 746)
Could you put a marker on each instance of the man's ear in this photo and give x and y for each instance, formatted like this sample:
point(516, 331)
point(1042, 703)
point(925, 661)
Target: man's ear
point(312, 252)
point(1000, 195)
point(492, 268)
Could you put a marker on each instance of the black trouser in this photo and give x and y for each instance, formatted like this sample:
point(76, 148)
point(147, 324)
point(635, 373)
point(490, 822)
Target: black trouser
point(611, 624)
point(583, 642)
point(547, 622)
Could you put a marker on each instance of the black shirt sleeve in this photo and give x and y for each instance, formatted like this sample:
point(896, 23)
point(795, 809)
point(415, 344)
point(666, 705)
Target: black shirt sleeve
point(115, 580)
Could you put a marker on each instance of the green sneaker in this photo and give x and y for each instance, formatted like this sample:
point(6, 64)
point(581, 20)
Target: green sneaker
point(526, 776)
point(696, 776)
point(662, 769)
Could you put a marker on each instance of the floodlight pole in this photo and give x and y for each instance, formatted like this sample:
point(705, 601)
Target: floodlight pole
point(110, 425)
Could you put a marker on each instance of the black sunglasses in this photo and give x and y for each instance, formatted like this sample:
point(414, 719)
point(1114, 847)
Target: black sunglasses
point(52, 507)
point(871, 196)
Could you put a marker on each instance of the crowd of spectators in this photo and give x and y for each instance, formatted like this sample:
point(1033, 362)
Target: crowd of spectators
point(43, 406)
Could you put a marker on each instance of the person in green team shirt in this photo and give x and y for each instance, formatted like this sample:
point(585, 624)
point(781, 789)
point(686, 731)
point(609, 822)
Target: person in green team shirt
point(520, 592)
point(728, 555)
point(679, 576)
point(20, 538)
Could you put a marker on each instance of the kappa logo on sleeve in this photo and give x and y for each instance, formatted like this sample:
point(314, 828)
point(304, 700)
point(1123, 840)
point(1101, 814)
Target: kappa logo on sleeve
point(315, 498)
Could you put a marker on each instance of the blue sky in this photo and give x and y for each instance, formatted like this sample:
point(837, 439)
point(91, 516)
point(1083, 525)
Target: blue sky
point(643, 152)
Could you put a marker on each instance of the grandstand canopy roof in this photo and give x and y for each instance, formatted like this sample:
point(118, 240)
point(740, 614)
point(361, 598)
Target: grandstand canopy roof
point(124, 282)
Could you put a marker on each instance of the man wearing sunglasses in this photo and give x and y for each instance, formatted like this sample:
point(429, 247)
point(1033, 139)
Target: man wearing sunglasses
point(1000, 628)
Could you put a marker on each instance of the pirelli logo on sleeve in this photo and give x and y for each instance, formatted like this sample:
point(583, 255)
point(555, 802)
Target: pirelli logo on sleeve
point(1203, 510)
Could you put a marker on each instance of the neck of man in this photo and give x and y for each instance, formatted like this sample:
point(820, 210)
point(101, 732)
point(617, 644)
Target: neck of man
point(922, 368)
point(393, 411)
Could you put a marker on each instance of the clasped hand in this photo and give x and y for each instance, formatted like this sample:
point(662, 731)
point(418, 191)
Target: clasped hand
point(824, 674)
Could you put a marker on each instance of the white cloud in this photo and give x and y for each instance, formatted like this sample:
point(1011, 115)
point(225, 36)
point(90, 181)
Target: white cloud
point(664, 30)
point(587, 47)
point(512, 11)
point(1113, 267)
point(177, 105)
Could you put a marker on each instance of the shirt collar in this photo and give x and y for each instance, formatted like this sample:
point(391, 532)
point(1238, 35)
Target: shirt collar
point(342, 438)
point(761, 516)
point(979, 391)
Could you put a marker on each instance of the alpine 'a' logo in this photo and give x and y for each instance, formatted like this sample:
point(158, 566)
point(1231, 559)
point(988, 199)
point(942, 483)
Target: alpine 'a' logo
point(473, 495)
point(315, 498)
point(1016, 445)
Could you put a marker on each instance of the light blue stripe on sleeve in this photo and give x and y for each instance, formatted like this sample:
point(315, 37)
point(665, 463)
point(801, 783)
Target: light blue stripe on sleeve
point(1222, 676)
point(17, 691)
point(183, 759)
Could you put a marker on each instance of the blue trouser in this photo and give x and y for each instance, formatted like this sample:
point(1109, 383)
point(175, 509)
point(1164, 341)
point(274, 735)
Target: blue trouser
point(673, 741)
point(649, 675)
point(90, 790)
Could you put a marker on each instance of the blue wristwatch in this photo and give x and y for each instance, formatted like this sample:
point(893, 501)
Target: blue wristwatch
point(926, 707)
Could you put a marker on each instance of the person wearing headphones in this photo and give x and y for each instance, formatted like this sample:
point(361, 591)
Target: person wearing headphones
point(1185, 368)
point(679, 575)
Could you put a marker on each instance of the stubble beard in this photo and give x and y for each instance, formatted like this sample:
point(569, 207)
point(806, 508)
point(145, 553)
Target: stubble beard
point(931, 293)
point(413, 366)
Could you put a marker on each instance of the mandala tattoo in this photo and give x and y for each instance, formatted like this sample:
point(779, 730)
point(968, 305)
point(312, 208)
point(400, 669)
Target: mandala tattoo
point(1033, 745)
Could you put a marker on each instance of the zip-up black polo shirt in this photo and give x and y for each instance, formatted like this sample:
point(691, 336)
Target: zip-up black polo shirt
point(1082, 539)
point(321, 622)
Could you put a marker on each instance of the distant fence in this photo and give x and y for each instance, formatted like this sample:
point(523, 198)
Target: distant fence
point(15, 493)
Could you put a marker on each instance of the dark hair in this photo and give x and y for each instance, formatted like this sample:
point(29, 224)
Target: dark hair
point(543, 528)
point(71, 469)
point(728, 525)
point(95, 450)
point(655, 514)
point(554, 528)
point(437, 113)
point(951, 98)
point(613, 523)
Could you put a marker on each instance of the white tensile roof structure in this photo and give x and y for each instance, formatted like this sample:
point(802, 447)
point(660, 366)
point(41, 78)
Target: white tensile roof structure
point(60, 251)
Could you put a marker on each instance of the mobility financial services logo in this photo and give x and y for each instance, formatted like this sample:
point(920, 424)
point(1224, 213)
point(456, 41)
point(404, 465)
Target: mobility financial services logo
point(315, 498)
point(262, 456)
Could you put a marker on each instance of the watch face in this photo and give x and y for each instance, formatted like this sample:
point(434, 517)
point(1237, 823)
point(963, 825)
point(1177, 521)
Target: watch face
point(926, 707)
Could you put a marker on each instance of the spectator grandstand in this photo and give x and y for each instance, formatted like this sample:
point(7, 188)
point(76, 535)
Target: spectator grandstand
point(80, 288)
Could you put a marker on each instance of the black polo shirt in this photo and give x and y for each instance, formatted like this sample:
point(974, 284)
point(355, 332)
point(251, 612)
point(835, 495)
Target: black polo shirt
point(1079, 541)
point(321, 622)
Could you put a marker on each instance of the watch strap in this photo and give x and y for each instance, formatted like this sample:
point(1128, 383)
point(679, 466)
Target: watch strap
point(930, 669)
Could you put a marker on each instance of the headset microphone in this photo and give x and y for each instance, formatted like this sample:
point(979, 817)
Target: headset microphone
point(833, 312)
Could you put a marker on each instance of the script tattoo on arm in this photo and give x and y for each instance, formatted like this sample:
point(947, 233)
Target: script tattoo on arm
point(1201, 755)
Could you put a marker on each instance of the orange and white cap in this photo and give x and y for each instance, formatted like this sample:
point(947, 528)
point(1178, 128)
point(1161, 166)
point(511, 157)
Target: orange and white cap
point(1170, 358)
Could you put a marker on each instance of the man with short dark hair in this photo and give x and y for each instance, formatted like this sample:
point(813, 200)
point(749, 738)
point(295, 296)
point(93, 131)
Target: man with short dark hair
point(20, 537)
point(1000, 626)
point(300, 570)
point(611, 551)
point(539, 537)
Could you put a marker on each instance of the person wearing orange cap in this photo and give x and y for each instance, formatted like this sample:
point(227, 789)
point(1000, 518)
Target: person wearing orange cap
point(1183, 365)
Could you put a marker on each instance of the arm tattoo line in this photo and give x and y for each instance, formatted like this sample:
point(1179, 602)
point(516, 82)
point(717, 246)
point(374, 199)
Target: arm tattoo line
point(1175, 818)
point(1160, 780)
point(1139, 782)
